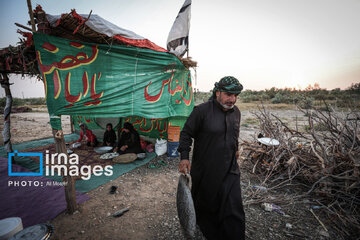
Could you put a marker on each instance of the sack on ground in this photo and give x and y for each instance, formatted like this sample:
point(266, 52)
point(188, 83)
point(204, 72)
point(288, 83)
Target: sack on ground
point(160, 147)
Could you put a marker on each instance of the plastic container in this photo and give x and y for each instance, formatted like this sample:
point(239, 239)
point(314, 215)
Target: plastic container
point(173, 133)
point(172, 149)
point(42, 231)
point(9, 227)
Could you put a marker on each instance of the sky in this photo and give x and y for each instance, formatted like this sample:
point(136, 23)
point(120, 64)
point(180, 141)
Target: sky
point(263, 43)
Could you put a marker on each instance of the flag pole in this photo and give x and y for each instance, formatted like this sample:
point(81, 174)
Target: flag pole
point(187, 52)
point(187, 47)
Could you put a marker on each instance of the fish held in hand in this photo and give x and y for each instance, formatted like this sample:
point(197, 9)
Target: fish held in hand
point(185, 206)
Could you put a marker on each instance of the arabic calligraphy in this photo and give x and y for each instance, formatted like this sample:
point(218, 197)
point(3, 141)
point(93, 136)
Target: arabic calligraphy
point(77, 45)
point(178, 88)
point(80, 75)
point(85, 84)
point(66, 63)
point(49, 47)
point(57, 84)
point(188, 101)
point(149, 125)
point(157, 96)
point(68, 97)
point(89, 121)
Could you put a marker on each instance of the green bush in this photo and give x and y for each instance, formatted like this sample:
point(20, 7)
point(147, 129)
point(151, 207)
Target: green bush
point(18, 102)
point(22, 102)
point(282, 97)
point(309, 98)
point(348, 101)
point(248, 98)
point(36, 101)
point(271, 92)
point(201, 96)
point(252, 96)
point(306, 103)
point(354, 88)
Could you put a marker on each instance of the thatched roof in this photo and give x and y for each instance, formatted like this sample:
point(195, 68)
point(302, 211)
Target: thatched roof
point(95, 29)
point(87, 28)
point(20, 59)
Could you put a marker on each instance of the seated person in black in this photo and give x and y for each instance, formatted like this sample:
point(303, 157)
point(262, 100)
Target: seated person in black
point(109, 136)
point(129, 140)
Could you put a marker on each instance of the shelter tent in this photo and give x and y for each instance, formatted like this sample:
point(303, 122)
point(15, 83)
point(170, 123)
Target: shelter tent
point(93, 69)
point(131, 78)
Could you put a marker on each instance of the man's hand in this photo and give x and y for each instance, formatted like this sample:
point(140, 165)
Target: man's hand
point(237, 155)
point(184, 166)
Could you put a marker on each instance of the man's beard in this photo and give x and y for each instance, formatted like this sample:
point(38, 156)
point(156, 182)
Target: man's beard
point(226, 106)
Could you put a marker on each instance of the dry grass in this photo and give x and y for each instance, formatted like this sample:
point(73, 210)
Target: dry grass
point(250, 121)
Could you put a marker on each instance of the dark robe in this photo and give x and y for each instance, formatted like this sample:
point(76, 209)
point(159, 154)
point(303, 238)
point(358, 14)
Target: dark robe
point(109, 137)
point(132, 139)
point(214, 170)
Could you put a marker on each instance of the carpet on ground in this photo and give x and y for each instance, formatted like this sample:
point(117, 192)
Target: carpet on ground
point(35, 199)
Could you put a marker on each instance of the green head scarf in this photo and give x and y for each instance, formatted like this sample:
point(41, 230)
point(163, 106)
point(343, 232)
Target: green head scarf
point(228, 84)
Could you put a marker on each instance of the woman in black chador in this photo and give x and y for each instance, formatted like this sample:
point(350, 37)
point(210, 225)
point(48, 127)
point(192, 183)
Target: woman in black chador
point(129, 140)
point(109, 136)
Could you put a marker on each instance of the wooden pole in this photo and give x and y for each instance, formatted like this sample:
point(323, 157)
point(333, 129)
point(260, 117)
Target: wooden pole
point(22, 26)
point(60, 147)
point(71, 125)
point(70, 195)
point(187, 52)
point(6, 131)
point(31, 14)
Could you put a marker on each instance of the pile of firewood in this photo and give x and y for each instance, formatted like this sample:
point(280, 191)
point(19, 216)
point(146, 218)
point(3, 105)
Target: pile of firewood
point(324, 156)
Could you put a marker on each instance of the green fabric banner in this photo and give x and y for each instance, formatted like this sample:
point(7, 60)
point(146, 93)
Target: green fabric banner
point(89, 121)
point(154, 128)
point(97, 80)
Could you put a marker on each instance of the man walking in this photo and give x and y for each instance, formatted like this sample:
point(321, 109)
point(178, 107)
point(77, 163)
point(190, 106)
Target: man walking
point(216, 192)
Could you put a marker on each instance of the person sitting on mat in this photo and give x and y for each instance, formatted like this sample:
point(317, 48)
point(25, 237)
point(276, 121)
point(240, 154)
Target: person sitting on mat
point(88, 135)
point(129, 140)
point(109, 136)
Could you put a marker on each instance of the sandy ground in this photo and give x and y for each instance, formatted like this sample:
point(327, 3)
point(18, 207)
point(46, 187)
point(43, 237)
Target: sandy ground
point(151, 196)
point(32, 125)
